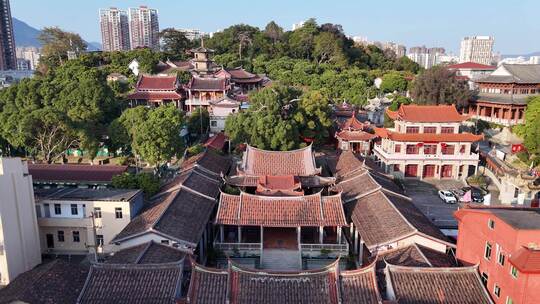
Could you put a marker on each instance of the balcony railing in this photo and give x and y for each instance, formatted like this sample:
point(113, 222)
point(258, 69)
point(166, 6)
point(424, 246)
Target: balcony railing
point(237, 246)
point(420, 156)
point(319, 247)
point(502, 121)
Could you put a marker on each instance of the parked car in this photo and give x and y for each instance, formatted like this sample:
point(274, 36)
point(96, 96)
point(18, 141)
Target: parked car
point(477, 195)
point(447, 196)
point(458, 193)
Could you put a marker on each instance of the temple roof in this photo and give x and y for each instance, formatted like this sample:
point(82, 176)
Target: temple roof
point(74, 173)
point(280, 211)
point(329, 285)
point(157, 83)
point(418, 113)
point(472, 66)
point(239, 75)
point(298, 162)
point(428, 137)
point(158, 96)
point(352, 123)
point(146, 253)
point(514, 73)
point(207, 84)
point(412, 285)
point(527, 259)
point(505, 99)
point(355, 135)
point(415, 255)
point(132, 283)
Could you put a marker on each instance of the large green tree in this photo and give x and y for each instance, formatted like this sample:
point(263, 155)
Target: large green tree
point(56, 45)
point(439, 85)
point(313, 116)
point(393, 81)
point(174, 43)
point(530, 130)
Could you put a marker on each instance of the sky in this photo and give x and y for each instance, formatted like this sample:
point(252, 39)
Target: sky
point(514, 24)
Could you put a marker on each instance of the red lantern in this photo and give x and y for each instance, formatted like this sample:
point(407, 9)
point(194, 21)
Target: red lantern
point(419, 144)
point(517, 148)
point(443, 145)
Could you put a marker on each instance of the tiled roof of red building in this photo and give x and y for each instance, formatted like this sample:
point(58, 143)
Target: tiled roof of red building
point(418, 113)
point(527, 259)
point(298, 162)
point(279, 182)
point(357, 186)
point(207, 84)
point(413, 285)
point(355, 135)
point(240, 75)
point(472, 66)
point(428, 137)
point(209, 161)
point(158, 83)
point(57, 281)
point(217, 141)
point(237, 285)
point(286, 211)
point(146, 253)
point(74, 173)
point(155, 95)
point(352, 123)
point(416, 256)
point(345, 164)
point(132, 283)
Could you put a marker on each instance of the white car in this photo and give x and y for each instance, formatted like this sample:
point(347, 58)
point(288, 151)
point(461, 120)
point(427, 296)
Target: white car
point(447, 196)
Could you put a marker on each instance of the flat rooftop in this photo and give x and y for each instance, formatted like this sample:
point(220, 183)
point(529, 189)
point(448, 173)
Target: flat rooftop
point(519, 218)
point(113, 195)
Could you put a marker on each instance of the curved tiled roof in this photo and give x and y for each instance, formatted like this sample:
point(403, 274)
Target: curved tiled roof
point(238, 285)
point(160, 83)
point(280, 211)
point(427, 113)
point(298, 162)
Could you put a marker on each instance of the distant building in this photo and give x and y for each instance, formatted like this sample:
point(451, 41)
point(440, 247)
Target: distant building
point(144, 27)
point(32, 54)
point(114, 29)
point(74, 220)
point(398, 49)
point(8, 60)
point(19, 235)
point(192, 34)
point(426, 57)
point(503, 94)
point(505, 244)
point(23, 64)
point(471, 71)
point(298, 25)
point(426, 143)
point(477, 49)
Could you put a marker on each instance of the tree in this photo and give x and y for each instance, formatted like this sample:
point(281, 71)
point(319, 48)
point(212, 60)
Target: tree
point(198, 121)
point(302, 40)
point(329, 49)
point(175, 44)
point(157, 139)
point(147, 182)
point(393, 82)
point(313, 116)
point(56, 45)
point(530, 130)
point(273, 31)
point(122, 130)
point(438, 85)
point(244, 39)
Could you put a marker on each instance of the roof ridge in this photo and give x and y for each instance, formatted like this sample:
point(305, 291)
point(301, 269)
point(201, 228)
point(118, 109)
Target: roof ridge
point(399, 212)
point(143, 252)
point(422, 254)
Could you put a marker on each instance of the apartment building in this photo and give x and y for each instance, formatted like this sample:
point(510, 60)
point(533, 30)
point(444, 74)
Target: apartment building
point(74, 220)
point(478, 49)
point(19, 236)
point(114, 29)
point(144, 27)
point(426, 143)
point(8, 60)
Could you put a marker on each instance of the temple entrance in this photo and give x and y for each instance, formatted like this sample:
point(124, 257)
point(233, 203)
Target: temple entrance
point(280, 238)
point(410, 170)
point(446, 170)
point(429, 171)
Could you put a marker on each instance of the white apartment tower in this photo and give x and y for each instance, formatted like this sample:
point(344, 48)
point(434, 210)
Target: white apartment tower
point(477, 49)
point(114, 29)
point(144, 27)
point(19, 235)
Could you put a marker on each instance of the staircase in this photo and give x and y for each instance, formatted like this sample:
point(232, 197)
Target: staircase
point(281, 259)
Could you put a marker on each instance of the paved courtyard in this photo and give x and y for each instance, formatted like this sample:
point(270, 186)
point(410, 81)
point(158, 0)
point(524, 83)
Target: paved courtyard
point(425, 197)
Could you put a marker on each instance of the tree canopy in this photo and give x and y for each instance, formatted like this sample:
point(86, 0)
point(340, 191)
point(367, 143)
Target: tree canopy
point(56, 45)
point(530, 130)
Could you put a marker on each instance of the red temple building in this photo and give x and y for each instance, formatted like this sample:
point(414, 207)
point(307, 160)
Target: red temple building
point(503, 94)
point(155, 91)
point(505, 244)
point(352, 135)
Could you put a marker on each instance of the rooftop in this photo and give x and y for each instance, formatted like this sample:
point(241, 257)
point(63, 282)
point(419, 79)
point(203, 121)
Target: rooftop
point(146, 253)
point(527, 259)
point(425, 113)
point(207, 84)
point(428, 137)
point(280, 211)
point(328, 285)
point(300, 162)
point(514, 73)
point(217, 141)
point(352, 123)
point(355, 135)
point(515, 99)
point(412, 285)
point(519, 218)
point(472, 66)
point(416, 256)
point(74, 173)
point(158, 96)
point(157, 83)
point(132, 283)
point(112, 195)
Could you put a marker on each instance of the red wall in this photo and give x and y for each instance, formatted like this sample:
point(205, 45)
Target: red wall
point(473, 234)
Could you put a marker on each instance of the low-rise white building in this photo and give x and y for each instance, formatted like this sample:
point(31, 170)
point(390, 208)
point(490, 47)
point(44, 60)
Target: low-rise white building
point(19, 236)
point(220, 110)
point(75, 221)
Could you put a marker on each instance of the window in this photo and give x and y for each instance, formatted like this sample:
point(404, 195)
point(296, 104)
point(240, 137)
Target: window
point(430, 129)
point(412, 130)
point(487, 251)
point(76, 237)
point(99, 240)
point(397, 148)
point(447, 149)
point(514, 272)
point(430, 149)
point(38, 211)
point(497, 290)
point(462, 149)
point(500, 259)
point(74, 210)
point(213, 123)
point(396, 167)
point(484, 277)
point(447, 129)
point(118, 212)
point(165, 242)
point(509, 300)
point(57, 209)
point(412, 149)
point(60, 235)
point(97, 212)
point(491, 224)
point(516, 192)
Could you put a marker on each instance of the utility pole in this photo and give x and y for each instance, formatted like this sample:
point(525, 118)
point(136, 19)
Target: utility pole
point(95, 246)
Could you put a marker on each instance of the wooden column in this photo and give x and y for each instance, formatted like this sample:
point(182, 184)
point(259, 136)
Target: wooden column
point(321, 235)
point(356, 249)
point(298, 235)
point(221, 233)
point(239, 234)
point(338, 241)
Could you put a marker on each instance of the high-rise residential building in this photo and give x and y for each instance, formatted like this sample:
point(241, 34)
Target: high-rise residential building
point(29, 53)
point(114, 29)
point(398, 49)
point(426, 57)
point(19, 236)
point(477, 49)
point(7, 40)
point(144, 27)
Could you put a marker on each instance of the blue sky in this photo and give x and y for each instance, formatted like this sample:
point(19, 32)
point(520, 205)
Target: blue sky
point(515, 24)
